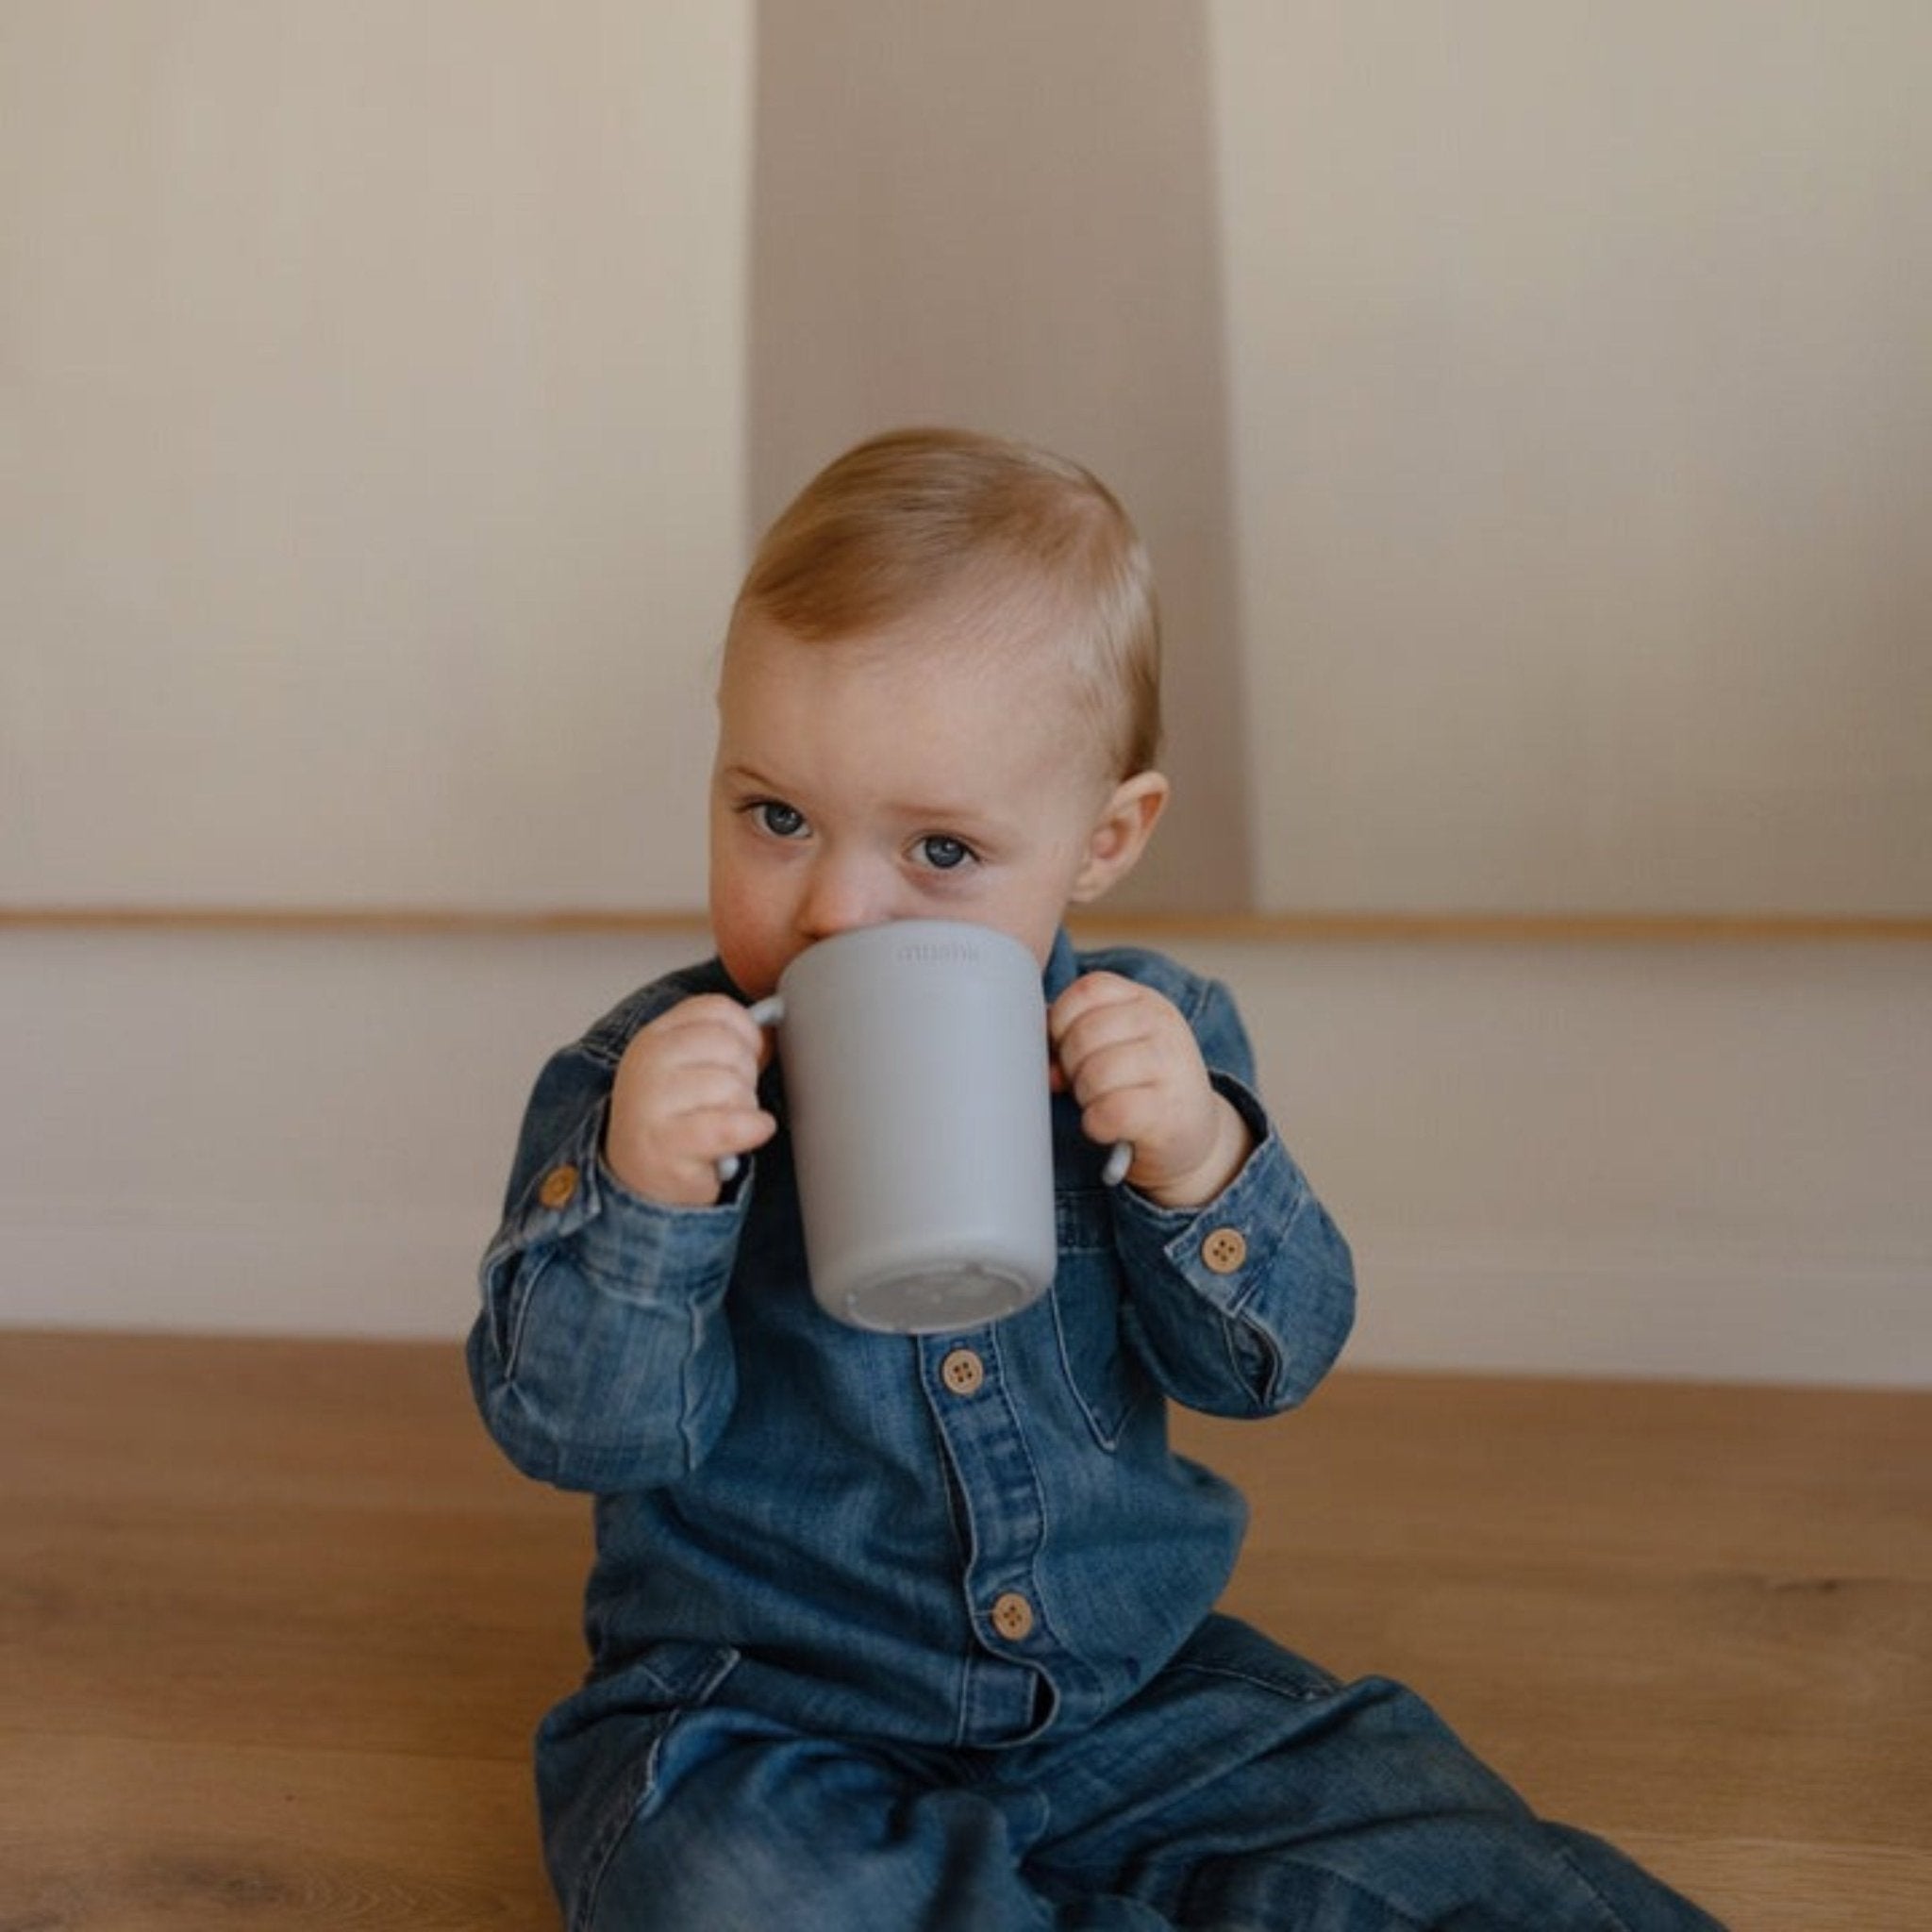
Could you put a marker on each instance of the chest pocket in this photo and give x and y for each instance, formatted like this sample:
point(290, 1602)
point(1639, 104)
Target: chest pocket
point(1105, 1375)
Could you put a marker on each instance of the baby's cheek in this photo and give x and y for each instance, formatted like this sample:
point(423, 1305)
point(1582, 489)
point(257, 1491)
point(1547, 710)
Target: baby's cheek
point(752, 955)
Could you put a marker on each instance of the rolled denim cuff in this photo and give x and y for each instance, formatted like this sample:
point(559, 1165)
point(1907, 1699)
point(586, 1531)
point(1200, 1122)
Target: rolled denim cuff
point(1228, 1247)
point(631, 1247)
point(604, 1361)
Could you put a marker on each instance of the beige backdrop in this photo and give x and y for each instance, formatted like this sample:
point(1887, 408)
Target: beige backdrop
point(1529, 408)
point(1004, 214)
point(1582, 358)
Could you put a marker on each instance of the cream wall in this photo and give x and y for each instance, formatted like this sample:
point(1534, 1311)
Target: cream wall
point(1676, 1161)
point(1581, 359)
point(1529, 406)
point(372, 454)
point(372, 385)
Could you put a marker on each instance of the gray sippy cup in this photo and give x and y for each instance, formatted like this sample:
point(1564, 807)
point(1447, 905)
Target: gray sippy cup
point(915, 1059)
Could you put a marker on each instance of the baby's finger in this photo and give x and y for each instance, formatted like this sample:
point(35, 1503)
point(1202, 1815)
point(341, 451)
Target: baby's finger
point(1090, 993)
point(712, 1015)
point(1112, 1067)
point(722, 1134)
point(706, 1042)
point(704, 1087)
point(1107, 1047)
point(1122, 1113)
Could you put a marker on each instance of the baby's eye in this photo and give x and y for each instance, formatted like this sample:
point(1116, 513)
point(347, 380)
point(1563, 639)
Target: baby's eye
point(943, 852)
point(782, 820)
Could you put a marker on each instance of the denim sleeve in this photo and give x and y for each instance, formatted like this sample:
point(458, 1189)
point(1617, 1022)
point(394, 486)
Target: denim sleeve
point(1240, 1307)
point(600, 1358)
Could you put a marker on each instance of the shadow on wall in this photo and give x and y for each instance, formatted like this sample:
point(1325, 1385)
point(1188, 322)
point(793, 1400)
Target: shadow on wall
point(1003, 216)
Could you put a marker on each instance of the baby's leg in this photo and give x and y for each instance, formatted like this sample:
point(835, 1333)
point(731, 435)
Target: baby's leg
point(744, 1832)
point(1245, 1790)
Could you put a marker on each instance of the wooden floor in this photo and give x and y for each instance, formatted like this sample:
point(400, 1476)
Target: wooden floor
point(276, 1624)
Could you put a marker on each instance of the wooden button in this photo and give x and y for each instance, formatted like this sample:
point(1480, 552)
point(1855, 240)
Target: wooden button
point(1012, 1616)
point(963, 1372)
point(1224, 1250)
point(559, 1187)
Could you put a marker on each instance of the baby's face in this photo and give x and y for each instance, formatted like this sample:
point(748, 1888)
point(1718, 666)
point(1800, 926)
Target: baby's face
point(876, 779)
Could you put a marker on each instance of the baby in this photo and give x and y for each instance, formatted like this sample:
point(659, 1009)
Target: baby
point(892, 1632)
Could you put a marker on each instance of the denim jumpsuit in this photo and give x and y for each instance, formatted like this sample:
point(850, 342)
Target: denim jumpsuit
point(894, 1632)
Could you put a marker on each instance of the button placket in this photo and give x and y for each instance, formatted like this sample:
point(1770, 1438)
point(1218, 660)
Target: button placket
point(1003, 1529)
point(1012, 1616)
point(963, 1371)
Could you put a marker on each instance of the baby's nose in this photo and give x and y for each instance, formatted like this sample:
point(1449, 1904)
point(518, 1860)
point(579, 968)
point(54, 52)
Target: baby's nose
point(841, 897)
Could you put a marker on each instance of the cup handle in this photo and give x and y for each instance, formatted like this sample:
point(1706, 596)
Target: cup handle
point(1120, 1156)
point(766, 1012)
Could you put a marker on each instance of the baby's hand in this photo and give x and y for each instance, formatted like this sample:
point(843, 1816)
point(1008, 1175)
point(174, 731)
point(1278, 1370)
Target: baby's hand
point(1131, 1062)
point(686, 1095)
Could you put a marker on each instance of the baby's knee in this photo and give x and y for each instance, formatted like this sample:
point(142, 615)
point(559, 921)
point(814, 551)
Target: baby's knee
point(803, 1835)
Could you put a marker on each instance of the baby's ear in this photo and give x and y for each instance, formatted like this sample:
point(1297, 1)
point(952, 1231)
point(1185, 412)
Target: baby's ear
point(1120, 834)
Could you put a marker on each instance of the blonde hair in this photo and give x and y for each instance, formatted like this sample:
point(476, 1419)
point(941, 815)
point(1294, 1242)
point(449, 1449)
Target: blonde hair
point(916, 518)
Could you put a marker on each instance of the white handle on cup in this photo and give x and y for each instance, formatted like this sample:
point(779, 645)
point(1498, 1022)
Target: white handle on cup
point(770, 1010)
point(766, 1012)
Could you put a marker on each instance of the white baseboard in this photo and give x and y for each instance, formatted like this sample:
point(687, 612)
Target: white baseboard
point(1505, 1308)
point(1688, 1312)
point(329, 1278)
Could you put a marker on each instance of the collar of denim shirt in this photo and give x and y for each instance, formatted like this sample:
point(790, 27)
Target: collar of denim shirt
point(1062, 968)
